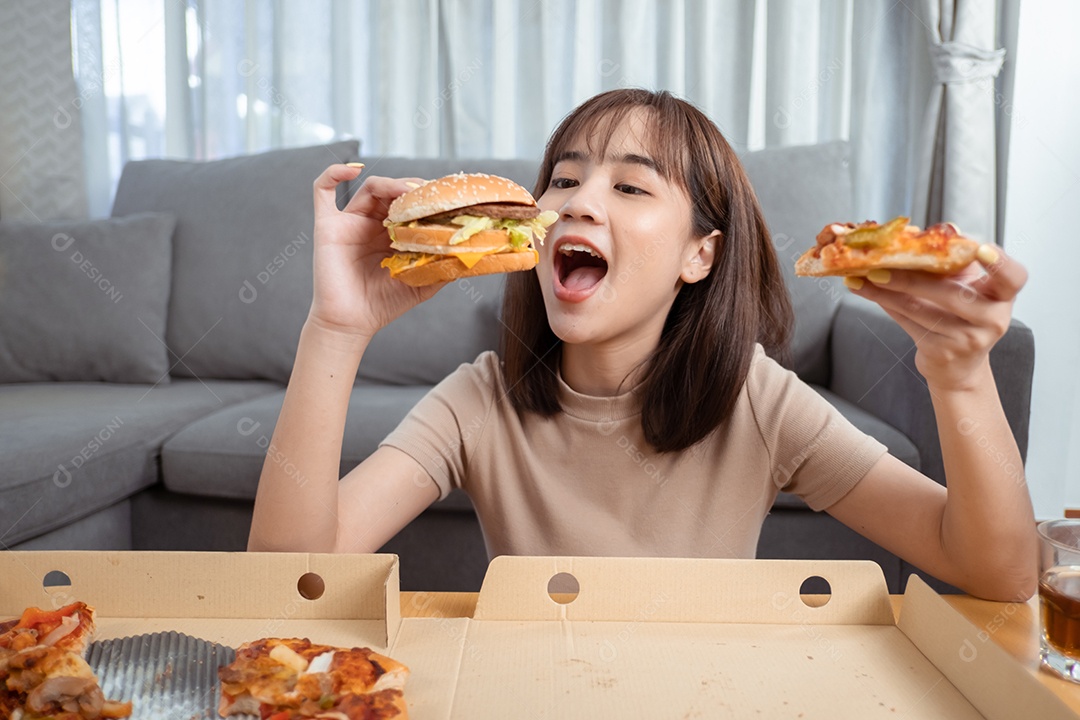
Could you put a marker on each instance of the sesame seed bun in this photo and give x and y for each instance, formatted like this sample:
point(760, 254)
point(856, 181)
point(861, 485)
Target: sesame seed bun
point(456, 191)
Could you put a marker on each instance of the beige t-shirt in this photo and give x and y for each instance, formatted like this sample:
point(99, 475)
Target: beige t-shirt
point(586, 482)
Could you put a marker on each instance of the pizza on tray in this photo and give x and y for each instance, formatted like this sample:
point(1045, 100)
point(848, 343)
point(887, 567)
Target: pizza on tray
point(294, 679)
point(43, 675)
point(850, 249)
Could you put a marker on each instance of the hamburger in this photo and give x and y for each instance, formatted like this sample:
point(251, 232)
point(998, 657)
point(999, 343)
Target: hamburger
point(463, 225)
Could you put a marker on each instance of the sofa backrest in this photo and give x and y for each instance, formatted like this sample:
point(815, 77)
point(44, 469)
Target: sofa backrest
point(241, 274)
point(802, 189)
point(242, 248)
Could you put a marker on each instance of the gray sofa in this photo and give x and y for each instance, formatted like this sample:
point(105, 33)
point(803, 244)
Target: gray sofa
point(175, 463)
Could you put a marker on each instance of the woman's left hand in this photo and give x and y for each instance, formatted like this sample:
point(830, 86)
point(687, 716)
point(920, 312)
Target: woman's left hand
point(955, 319)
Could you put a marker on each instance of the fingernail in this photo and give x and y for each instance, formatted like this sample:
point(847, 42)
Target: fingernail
point(355, 164)
point(879, 277)
point(987, 254)
point(853, 282)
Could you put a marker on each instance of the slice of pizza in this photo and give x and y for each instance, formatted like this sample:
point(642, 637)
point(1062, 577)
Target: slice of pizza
point(45, 681)
point(43, 675)
point(69, 628)
point(850, 249)
point(295, 679)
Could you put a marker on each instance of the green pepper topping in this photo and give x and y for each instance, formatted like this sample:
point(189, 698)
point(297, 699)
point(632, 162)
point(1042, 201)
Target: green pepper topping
point(874, 237)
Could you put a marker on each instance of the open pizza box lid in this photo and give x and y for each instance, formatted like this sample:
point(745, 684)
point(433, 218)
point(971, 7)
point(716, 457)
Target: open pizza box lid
point(642, 638)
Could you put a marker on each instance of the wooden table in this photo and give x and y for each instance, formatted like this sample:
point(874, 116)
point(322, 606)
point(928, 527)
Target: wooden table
point(1013, 626)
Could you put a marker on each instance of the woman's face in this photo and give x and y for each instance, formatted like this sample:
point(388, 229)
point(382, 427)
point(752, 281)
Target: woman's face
point(614, 261)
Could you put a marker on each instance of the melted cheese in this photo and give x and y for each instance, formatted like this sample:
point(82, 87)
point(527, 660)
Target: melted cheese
point(470, 259)
point(399, 262)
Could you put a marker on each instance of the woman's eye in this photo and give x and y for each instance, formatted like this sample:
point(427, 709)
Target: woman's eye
point(630, 189)
point(562, 183)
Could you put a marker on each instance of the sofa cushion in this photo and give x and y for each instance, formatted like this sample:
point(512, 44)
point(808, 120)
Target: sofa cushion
point(71, 449)
point(242, 255)
point(899, 445)
point(85, 300)
point(432, 339)
point(221, 455)
point(802, 189)
point(106, 529)
point(435, 347)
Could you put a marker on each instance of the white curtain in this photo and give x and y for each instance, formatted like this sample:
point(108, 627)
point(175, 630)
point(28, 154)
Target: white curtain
point(492, 78)
point(41, 170)
point(957, 164)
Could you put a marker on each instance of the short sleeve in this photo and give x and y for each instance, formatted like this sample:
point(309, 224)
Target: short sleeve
point(816, 452)
point(441, 430)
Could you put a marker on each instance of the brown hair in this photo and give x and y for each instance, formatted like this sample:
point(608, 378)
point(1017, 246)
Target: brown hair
point(694, 376)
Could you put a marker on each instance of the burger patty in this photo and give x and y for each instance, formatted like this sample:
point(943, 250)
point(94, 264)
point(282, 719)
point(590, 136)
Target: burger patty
point(495, 210)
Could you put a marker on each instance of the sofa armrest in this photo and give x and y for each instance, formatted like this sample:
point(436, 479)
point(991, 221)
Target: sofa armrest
point(873, 366)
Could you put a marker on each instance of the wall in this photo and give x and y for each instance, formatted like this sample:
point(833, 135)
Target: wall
point(1041, 232)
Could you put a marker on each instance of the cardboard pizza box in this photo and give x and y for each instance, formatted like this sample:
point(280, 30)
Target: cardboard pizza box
point(678, 638)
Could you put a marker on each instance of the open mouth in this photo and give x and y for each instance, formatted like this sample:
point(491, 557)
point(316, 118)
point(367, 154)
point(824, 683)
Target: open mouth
point(578, 266)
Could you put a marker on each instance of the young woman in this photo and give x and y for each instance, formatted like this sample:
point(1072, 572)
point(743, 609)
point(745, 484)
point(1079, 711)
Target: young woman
point(634, 408)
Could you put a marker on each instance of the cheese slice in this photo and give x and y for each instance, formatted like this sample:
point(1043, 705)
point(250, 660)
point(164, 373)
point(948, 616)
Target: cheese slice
point(470, 259)
point(399, 262)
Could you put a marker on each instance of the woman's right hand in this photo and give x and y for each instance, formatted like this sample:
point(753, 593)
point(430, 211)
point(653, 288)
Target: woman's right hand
point(353, 294)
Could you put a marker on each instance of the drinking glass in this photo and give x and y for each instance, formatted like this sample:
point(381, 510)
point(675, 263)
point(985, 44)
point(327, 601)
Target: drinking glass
point(1059, 597)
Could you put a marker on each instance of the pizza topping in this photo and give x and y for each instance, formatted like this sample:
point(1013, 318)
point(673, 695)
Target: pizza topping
point(42, 672)
point(335, 683)
point(321, 663)
point(829, 233)
point(69, 693)
point(20, 639)
point(289, 658)
point(67, 626)
point(875, 236)
point(48, 682)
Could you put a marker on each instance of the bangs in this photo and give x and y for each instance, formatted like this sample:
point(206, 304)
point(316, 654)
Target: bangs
point(663, 133)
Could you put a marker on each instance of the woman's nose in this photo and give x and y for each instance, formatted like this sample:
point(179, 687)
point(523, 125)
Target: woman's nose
point(582, 204)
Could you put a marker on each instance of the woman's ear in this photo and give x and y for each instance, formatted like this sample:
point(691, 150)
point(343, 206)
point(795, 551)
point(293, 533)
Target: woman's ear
point(700, 261)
